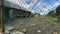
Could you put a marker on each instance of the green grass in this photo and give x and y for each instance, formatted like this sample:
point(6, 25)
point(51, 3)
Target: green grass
point(52, 18)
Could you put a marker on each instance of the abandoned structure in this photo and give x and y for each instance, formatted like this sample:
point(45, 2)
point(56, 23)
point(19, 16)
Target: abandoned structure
point(58, 10)
point(55, 12)
point(13, 10)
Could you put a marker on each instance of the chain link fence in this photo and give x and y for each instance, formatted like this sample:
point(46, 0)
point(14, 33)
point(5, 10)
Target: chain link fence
point(35, 6)
point(42, 7)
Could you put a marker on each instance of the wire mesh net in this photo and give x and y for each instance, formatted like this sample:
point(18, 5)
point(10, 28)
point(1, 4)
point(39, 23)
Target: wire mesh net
point(37, 6)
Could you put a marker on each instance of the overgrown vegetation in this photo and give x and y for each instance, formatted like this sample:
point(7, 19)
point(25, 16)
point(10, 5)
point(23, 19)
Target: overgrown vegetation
point(52, 13)
point(52, 16)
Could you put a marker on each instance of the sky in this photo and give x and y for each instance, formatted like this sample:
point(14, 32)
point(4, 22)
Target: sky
point(38, 6)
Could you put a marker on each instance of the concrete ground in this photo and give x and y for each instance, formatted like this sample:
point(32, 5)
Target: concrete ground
point(44, 25)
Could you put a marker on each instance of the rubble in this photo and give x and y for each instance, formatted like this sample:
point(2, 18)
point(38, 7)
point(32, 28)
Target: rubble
point(24, 30)
point(17, 32)
point(21, 23)
point(9, 28)
point(36, 15)
point(32, 25)
point(55, 33)
point(38, 31)
point(7, 32)
point(22, 33)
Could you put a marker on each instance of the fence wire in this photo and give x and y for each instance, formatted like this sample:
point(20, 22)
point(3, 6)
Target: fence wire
point(37, 6)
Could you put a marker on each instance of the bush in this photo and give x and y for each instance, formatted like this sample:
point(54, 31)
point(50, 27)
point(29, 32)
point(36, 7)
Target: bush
point(52, 13)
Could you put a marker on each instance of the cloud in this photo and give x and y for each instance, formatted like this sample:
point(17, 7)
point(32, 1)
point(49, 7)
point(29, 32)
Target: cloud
point(56, 4)
point(38, 7)
point(59, 0)
point(44, 11)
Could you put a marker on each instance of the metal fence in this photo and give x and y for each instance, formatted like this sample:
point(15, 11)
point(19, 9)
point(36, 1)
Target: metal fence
point(36, 6)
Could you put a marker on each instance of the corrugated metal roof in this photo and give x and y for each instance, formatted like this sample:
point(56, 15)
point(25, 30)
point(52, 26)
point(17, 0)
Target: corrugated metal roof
point(35, 6)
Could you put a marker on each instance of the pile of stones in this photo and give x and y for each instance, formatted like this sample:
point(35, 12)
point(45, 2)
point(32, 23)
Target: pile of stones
point(11, 30)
